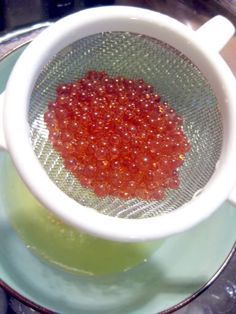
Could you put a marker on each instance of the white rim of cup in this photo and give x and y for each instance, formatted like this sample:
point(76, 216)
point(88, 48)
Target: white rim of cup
point(118, 18)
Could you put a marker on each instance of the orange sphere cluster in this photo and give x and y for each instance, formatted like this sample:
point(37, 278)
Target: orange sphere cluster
point(117, 137)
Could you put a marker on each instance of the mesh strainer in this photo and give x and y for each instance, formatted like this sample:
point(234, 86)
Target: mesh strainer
point(183, 68)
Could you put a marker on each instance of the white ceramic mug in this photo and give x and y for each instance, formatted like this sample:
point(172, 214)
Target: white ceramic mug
point(201, 47)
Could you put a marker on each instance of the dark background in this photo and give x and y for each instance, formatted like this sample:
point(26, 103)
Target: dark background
point(19, 13)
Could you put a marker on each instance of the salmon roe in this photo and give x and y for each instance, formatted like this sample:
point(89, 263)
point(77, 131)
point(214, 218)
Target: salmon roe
point(117, 137)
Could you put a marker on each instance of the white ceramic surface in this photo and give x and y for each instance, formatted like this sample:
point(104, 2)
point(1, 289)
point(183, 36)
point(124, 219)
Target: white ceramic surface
point(87, 22)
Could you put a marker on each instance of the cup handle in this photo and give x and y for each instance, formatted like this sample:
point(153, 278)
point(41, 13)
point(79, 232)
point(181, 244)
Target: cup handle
point(216, 32)
point(3, 145)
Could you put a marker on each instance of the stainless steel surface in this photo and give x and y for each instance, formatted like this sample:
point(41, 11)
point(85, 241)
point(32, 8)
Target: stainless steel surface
point(220, 296)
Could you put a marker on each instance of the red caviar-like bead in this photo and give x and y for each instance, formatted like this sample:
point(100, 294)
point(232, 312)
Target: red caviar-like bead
point(117, 137)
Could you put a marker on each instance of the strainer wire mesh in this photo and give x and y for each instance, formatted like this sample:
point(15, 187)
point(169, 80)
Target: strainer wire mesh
point(173, 76)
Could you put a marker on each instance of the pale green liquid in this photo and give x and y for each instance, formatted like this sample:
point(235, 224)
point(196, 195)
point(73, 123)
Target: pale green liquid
point(62, 245)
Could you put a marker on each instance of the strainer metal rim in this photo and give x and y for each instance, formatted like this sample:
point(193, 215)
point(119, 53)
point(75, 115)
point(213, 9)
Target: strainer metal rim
point(17, 131)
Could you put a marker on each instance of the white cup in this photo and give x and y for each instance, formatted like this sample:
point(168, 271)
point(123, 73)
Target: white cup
point(201, 47)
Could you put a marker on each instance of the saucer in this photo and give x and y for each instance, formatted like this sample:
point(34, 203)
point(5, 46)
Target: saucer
point(175, 271)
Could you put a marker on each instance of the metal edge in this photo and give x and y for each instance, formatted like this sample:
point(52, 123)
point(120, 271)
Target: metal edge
point(23, 299)
point(204, 287)
point(25, 36)
point(7, 53)
point(38, 307)
point(22, 31)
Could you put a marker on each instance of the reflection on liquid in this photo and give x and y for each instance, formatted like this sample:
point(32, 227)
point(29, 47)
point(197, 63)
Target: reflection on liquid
point(62, 245)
